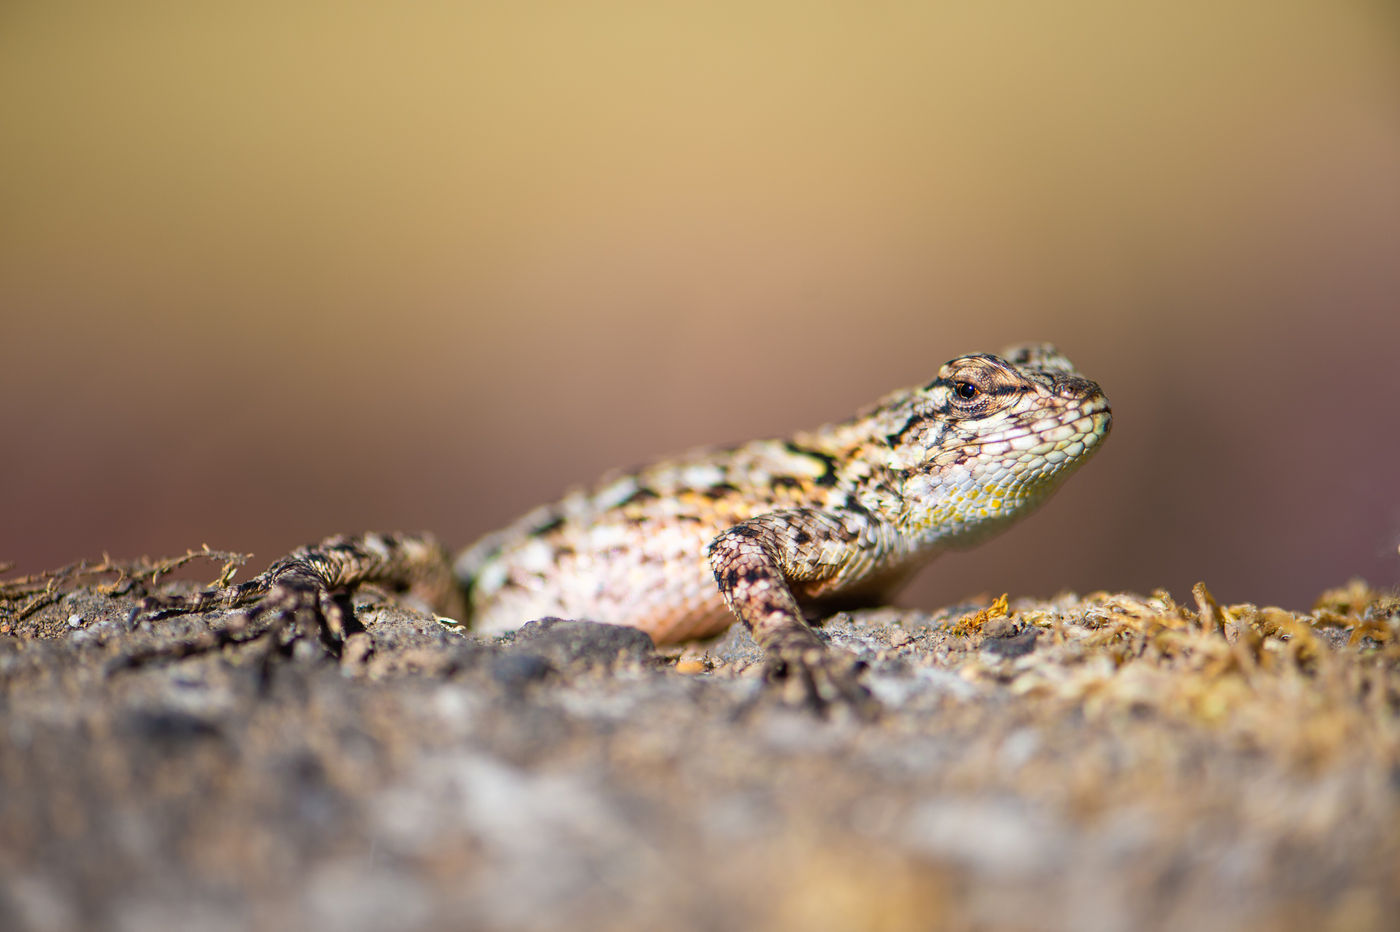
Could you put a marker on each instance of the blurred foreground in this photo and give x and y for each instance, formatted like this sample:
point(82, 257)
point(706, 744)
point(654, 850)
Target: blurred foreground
point(1116, 762)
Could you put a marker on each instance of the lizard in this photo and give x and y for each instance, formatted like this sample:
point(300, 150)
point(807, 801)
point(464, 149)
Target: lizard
point(776, 533)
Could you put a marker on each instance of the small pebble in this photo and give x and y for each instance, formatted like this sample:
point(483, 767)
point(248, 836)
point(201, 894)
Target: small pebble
point(74, 620)
point(690, 666)
point(999, 628)
point(899, 637)
point(357, 649)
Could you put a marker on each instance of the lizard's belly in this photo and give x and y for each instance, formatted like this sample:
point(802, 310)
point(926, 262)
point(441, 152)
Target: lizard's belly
point(665, 588)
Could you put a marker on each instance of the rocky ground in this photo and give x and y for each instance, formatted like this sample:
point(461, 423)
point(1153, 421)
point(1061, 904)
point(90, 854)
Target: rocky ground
point(1110, 762)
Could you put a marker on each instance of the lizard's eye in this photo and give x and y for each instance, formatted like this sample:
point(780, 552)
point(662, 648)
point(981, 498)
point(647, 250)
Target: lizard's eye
point(966, 390)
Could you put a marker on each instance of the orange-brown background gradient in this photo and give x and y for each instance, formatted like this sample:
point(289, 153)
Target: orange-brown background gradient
point(274, 271)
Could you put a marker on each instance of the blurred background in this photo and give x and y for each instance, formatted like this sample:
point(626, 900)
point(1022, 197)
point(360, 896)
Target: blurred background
point(273, 271)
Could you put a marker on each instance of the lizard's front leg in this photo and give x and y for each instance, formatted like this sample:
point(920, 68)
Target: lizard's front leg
point(756, 563)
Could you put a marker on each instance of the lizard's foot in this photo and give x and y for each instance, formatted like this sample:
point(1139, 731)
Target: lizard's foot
point(825, 681)
point(294, 611)
point(305, 597)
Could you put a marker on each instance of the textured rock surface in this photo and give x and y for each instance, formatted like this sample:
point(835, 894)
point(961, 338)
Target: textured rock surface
point(1110, 762)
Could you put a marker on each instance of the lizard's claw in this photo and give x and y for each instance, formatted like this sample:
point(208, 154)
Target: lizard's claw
point(294, 610)
point(305, 608)
point(825, 681)
point(305, 596)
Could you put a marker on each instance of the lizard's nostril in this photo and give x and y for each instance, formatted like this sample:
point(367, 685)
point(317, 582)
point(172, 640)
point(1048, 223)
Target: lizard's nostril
point(1075, 387)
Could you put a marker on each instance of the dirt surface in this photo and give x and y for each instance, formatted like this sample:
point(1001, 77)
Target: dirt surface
point(1108, 762)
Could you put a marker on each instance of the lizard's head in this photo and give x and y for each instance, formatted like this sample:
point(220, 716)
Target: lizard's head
point(992, 436)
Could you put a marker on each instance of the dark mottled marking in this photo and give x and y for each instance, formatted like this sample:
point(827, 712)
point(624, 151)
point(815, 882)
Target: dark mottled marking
point(770, 603)
point(468, 585)
point(549, 527)
point(643, 494)
point(801, 537)
point(720, 490)
point(915, 421)
point(828, 476)
point(786, 482)
point(852, 505)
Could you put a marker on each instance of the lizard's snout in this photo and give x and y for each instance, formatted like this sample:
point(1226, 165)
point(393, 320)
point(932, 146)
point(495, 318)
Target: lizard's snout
point(1078, 388)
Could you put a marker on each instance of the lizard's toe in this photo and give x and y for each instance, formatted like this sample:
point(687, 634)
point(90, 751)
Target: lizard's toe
point(825, 681)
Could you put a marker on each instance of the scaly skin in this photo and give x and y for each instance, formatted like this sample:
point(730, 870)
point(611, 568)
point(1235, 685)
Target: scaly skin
point(772, 532)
